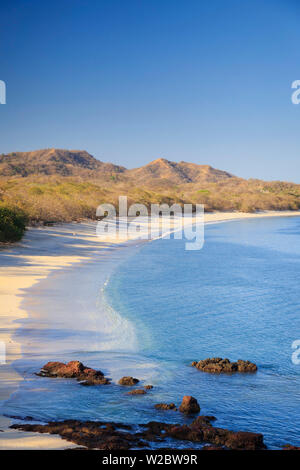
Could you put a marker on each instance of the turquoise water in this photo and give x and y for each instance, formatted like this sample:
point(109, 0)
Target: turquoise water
point(238, 298)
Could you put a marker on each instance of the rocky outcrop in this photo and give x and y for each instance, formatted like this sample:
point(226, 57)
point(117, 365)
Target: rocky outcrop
point(189, 405)
point(111, 436)
point(137, 391)
point(290, 447)
point(74, 370)
point(92, 435)
point(148, 387)
point(202, 431)
point(166, 406)
point(128, 381)
point(217, 365)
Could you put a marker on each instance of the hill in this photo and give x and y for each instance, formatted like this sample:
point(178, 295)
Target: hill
point(162, 171)
point(55, 162)
point(81, 163)
point(64, 185)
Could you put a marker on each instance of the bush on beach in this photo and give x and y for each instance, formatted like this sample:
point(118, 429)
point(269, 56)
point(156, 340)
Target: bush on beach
point(12, 224)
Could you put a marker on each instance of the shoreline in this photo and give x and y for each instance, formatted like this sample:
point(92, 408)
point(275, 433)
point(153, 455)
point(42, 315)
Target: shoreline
point(42, 252)
point(23, 265)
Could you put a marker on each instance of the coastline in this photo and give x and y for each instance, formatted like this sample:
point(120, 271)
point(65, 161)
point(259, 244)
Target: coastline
point(42, 252)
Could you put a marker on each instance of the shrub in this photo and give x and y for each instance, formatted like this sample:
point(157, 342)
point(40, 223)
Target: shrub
point(12, 224)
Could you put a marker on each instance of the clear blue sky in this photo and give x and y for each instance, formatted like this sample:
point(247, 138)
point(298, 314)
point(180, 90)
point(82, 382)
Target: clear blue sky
point(130, 81)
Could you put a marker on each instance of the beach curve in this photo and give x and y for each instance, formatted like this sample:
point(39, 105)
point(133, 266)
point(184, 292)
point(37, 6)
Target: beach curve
point(23, 266)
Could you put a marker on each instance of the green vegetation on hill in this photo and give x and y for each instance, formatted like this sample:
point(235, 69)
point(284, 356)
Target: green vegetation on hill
point(12, 224)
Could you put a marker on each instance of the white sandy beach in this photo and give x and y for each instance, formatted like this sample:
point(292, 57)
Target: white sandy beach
point(22, 266)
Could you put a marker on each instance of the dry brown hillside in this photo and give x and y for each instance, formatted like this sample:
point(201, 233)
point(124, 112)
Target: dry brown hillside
point(162, 171)
point(55, 162)
point(61, 185)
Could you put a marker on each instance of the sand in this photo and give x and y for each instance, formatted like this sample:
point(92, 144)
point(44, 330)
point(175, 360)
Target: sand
point(23, 265)
point(226, 216)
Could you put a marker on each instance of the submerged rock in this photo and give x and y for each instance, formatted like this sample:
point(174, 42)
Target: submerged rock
point(148, 387)
point(74, 370)
point(217, 365)
point(138, 391)
point(189, 405)
point(166, 406)
point(128, 381)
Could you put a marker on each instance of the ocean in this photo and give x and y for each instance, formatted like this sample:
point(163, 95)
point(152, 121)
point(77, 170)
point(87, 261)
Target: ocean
point(151, 309)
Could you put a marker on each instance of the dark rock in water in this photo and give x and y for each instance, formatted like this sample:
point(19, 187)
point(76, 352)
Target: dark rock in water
point(206, 447)
point(201, 431)
point(111, 436)
point(74, 370)
point(244, 440)
point(166, 406)
point(246, 366)
point(21, 418)
point(148, 387)
point(189, 405)
point(93, 435)
point(128, 381)
point(217, 365)
point(290, 447)
point(138, 391)
point(201, 420)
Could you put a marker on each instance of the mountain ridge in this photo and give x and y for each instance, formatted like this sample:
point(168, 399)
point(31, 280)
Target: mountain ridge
point(54, 161)
point(64, 185)
point(80, 163)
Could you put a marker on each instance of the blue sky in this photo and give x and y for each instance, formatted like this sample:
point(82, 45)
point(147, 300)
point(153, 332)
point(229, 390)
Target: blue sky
point(131, 81)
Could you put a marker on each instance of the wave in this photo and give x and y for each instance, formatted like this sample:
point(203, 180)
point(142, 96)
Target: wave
point(120, 334)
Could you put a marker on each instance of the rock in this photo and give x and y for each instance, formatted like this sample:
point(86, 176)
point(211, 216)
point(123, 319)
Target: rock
point(217, 365)
point(224, 437)
point(128, 381)
point(148, 387)
point(244, 440)
point(246, 366)
point(74, 370)
point(189, 405)
point(93, 435)
point(138, 391)
point(290, 447)
point(165, 406)
point(206, 447)
point(21, 418)
point(202, 431)
point(204, 420)
point(111, 436)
